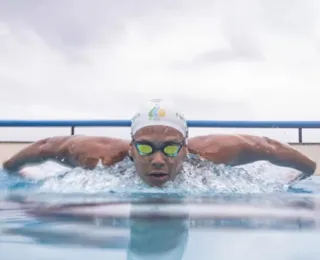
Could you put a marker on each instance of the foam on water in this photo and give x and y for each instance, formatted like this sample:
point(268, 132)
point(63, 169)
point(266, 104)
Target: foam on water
point(69, 215)
point(198, 176)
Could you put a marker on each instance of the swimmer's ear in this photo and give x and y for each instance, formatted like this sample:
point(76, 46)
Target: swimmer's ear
point(130, 152)
point(130, 155)
point(186, 146)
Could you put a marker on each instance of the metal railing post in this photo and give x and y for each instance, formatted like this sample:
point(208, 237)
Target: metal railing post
point(300, 134)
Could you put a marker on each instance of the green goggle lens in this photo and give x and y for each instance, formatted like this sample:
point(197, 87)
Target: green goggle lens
point(144, 148)
point(169, 150)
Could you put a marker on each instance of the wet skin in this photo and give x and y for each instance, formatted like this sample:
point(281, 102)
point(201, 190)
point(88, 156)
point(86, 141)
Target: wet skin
point(156, 169)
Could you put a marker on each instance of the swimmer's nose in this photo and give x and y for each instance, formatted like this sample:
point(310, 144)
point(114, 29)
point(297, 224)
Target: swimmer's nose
point(158, 161)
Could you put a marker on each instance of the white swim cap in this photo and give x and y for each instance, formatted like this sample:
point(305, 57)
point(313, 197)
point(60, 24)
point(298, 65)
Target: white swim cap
point(159, 112)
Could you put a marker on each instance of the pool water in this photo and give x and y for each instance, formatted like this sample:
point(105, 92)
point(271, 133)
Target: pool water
point(91, 216)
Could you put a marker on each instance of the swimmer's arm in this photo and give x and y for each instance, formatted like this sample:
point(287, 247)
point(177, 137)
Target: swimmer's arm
point(243, 149)
point(265, 148)
point(71, 151)
point(36, 153)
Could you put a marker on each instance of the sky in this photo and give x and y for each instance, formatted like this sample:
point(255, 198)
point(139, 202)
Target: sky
point(233, 60)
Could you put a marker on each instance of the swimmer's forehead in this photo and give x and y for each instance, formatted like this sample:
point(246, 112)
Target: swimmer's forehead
point(158, 133)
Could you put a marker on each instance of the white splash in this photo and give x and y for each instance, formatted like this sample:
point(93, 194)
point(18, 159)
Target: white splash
point(197, 178)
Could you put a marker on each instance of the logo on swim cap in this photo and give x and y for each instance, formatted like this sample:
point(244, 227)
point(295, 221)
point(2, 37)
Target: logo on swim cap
point(156, 113)
point(159, 112)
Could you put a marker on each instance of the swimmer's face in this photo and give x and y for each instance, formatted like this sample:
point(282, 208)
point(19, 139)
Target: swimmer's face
point(157, 168)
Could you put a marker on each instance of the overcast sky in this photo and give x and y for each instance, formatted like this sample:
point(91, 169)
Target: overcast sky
point(250, 59)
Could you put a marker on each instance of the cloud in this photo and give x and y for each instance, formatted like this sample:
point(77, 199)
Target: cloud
point(230, 59)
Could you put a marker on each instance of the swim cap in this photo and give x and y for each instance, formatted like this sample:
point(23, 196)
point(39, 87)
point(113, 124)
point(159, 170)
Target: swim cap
point(159, 112)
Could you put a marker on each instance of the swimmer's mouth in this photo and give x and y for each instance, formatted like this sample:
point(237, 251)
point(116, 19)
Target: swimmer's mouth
point(158, 174)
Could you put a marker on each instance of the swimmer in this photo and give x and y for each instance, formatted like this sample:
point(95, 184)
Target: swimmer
point(158, 146)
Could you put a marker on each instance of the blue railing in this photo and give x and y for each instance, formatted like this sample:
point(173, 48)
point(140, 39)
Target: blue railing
point(299, 125)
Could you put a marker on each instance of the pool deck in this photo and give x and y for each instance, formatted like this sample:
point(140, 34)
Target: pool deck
point(7, 149)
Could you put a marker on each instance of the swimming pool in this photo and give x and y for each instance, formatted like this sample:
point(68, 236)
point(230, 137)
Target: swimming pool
point(48, 220)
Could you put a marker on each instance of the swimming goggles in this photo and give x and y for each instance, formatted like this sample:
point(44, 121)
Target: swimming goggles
point(170, 149)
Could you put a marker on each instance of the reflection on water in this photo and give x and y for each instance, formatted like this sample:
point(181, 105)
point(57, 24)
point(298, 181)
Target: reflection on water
point(112, 215)
point(161, 227)
point(157, 236)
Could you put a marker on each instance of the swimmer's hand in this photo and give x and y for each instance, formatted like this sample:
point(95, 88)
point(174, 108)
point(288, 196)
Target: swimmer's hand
point(243, 149)
point(71, 151)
